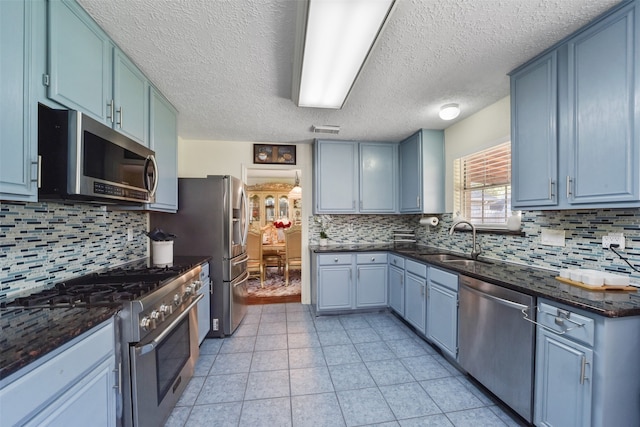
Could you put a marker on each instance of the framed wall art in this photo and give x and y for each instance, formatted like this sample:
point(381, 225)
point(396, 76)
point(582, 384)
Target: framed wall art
point(274, 154)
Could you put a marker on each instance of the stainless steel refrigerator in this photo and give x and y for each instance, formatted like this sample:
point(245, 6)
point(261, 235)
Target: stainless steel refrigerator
point(213, 220)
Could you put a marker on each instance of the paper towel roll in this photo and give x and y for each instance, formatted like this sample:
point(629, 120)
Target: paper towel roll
point(432, 220)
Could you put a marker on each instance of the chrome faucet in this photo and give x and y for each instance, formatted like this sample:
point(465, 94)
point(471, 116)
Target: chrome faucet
point(474, 253)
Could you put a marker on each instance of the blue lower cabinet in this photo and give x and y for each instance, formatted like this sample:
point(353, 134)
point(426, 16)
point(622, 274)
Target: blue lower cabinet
point(442, 310)
point(371, 280)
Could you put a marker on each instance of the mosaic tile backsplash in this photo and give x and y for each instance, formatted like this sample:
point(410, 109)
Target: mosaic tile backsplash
point(583, 237)
point(43, 243)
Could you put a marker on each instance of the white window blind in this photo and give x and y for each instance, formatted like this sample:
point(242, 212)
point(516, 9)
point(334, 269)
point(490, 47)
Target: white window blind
point(482, 185)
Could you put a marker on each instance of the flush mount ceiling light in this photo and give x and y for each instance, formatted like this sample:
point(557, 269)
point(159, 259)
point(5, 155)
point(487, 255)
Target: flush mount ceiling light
point(449, 111)
point(326, 129)
point(334, 38)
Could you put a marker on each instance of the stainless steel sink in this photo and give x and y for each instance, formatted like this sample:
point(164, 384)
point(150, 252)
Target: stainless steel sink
point(465, 262)
point(446, 258)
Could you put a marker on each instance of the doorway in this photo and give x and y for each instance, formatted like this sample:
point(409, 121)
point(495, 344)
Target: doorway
point(275, 227)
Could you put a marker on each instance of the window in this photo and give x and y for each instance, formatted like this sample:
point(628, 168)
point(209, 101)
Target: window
point(482, 185)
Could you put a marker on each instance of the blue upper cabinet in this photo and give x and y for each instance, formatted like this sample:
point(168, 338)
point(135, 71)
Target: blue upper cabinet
point(130, 100)
point(534, 112)
point(18, 127)
point(603, 149)
point(355, 177)
point(336, 177)
point(422, 172)
point(164, 141)
point(574, 120)
point(80, 61)
point(88, 73)
point(378, 177)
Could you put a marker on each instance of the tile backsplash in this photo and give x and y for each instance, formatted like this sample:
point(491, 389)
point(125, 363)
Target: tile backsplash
point(583, 237)
point(43, 243)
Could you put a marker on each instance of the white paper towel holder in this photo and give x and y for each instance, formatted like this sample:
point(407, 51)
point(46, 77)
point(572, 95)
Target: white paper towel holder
point(430, 220)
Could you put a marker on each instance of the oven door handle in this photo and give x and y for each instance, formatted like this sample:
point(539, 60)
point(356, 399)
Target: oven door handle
point(153, 344)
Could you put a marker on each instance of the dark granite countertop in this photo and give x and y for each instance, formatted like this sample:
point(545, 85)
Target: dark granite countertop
point(29, 334)
point(530, 280)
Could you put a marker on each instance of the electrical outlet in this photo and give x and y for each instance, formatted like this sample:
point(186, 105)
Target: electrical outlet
point(129, 235)
point(613, 239)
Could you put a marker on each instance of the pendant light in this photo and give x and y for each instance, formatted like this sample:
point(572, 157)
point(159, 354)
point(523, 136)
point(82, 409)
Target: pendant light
point(296, 191)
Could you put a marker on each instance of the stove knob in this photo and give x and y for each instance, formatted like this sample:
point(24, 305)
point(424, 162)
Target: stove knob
point(176, 299)
point(166, 310)
point(188, 290)
point(145, 323)
point(155, 315)
point(197, 284)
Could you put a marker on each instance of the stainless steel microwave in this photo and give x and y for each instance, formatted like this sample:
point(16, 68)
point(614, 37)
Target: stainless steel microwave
point(83, 159)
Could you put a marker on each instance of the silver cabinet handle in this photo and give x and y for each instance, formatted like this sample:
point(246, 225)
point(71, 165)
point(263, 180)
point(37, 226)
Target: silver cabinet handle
point(583, 370)
point(120, 115)
point(551, 185)
point(110, 111)
point(118, 372)
point(373, 259)
point(422, 290)
point(417, 201)
point(335, 260)
point(35, 170)
point(569, 181)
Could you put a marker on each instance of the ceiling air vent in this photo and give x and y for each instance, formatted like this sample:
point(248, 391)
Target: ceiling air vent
point(326, 129)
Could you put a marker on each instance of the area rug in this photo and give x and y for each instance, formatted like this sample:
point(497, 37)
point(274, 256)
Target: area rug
point(274, 290)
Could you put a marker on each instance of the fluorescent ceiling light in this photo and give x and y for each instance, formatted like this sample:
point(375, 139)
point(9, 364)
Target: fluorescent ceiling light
point(449, 111)
point(337, 38)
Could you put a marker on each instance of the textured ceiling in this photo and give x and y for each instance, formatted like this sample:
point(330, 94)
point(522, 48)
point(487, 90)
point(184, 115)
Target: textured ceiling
point(227, 64)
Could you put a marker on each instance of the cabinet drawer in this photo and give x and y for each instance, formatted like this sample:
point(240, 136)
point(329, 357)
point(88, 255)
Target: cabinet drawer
point(376, 258)
point(444, 278)
point(396, 260)
point(332, 259)
point(416, 268)
point(567, 323)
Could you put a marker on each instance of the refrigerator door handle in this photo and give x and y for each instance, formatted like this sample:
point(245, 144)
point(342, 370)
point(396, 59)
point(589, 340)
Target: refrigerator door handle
point(243, 278)
point(245, 258)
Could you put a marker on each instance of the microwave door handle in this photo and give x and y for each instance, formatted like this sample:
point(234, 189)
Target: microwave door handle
point(152, 190)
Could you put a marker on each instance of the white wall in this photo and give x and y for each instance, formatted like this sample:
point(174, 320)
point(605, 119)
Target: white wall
point(486, 128)
point(197, 158)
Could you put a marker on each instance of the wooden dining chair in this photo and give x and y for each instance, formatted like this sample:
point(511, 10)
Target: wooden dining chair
point(255, 263)
point(271, 258)
point(293, 251)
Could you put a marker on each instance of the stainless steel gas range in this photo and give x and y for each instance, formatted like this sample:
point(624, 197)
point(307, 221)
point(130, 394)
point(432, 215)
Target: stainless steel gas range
point(156, 334)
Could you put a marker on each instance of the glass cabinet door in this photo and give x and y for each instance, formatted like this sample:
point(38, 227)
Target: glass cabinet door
point(283, 206)
point(270, 208)
point(254, 205)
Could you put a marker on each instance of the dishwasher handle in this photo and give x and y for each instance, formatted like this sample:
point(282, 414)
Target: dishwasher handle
point(525, 316)
point(499, 300)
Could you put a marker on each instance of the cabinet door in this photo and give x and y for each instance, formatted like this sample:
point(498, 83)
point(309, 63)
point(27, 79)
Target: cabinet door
point(335, 287)
point(563, 382)
point(534, 145)
point(18, 136)
point(396, 289)
point(371, 285)
point(92, 401)
point(410, 153)
point(336, 177)
point(378, 177)
point(164, 141)
point(79, 61)
point(442, 318)
point(415, 300)
point(603, 155)
point(131, 100)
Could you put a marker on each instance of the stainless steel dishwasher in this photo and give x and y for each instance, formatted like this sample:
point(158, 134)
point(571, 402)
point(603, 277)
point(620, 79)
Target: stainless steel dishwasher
point(496, 345)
